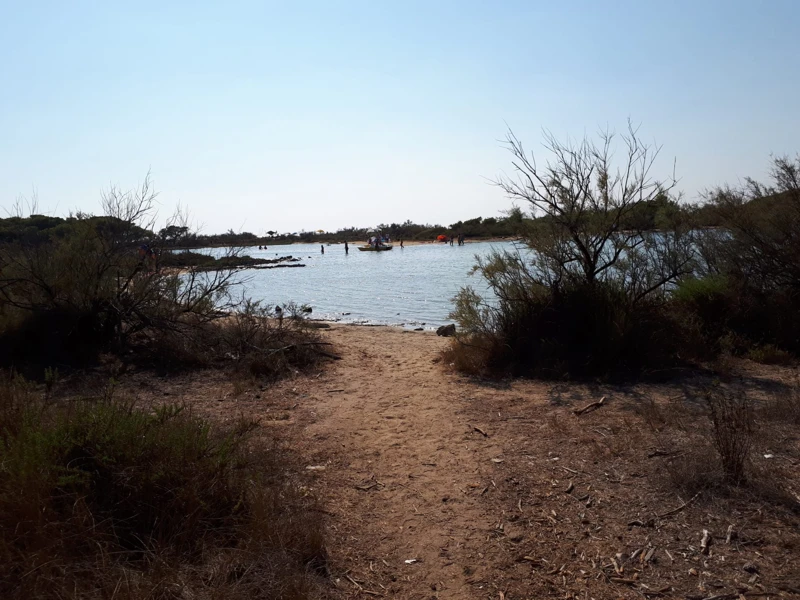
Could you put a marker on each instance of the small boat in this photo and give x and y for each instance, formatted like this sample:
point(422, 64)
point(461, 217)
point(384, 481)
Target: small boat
point(375, 243)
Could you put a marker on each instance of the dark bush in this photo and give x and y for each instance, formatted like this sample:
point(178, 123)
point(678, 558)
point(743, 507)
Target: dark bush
point(71, 290)
point(575, 332)
point(758, 254)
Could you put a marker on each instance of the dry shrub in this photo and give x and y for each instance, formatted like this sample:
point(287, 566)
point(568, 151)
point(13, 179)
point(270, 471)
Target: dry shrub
point(717, 451)
point(259, 341)
point(466, 356)
point(770, 355)
point(732, 417)
point(783, 407)
point(100, 498)
point(669, 415)
point(695, 470)
point(267, 342)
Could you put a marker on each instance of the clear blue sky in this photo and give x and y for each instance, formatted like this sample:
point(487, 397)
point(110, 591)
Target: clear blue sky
point(291, 115)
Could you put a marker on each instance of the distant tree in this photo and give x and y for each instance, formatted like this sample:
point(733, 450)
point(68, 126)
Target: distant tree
point(173, 234)
point(514, 215)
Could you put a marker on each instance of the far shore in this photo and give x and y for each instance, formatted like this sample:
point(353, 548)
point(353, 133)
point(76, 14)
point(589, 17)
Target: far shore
point(354, 243)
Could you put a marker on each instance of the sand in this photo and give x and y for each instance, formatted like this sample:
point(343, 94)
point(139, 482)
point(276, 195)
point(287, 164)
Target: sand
point(438, 486)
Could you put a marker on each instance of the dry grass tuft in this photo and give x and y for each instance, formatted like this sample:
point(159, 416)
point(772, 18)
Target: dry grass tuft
point(100, 498)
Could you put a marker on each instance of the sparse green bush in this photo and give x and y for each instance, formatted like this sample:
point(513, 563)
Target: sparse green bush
point(574, 332)
point(758, 254)
point(701, 310)
point(598, 292)
point(770, 355)
point(99, 493)
point(587, 298)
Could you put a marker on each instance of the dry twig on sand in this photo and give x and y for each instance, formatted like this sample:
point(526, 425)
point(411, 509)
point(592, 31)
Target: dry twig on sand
point(680, 508)
point(590, 407)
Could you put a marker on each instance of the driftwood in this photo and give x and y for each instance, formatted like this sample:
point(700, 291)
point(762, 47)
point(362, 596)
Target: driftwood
point(590, 407)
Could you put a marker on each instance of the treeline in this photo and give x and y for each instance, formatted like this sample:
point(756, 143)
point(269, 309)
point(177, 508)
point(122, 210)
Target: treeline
point(619, 279)
point(656, 213)
point(478, 228)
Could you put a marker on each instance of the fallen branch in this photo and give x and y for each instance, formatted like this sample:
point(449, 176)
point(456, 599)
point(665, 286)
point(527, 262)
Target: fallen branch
point(298, 344)
point(656, 453)
point(590, 407)
point(680, 508)
point(481, 431)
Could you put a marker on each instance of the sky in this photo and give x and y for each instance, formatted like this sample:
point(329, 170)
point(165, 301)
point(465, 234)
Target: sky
point(310, 115)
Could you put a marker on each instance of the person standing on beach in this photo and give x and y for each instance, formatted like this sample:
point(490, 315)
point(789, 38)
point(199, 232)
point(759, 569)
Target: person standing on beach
point(346, 248)
point(322, 248)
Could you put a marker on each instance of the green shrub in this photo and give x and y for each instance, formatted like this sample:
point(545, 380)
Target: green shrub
point(701, 308)
point(722, 314)
point(770, 355)
point(572, 331)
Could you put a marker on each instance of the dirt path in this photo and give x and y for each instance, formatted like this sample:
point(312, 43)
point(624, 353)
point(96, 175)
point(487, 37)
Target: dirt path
point(438, 486)
point(404, 467)
point(539, 507)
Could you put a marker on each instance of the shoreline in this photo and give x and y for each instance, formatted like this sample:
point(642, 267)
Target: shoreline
point(411, 327)
point(355, 243)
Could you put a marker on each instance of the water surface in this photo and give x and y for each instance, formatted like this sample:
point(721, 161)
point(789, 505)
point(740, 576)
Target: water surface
point(412, 287)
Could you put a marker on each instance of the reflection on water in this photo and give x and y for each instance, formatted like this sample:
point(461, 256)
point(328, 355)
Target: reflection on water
point(412, 286)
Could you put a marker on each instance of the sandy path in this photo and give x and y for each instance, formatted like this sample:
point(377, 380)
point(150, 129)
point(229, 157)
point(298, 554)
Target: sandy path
point(537, 509)
point(404, 468)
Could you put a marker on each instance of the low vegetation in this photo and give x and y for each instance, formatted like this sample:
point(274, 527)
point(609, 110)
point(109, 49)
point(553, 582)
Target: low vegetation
point(100, 498)
point(616, 278)
point(71, 290)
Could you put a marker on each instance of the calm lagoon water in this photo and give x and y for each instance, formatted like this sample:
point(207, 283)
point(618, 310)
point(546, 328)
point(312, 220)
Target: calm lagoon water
point(412, 287)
